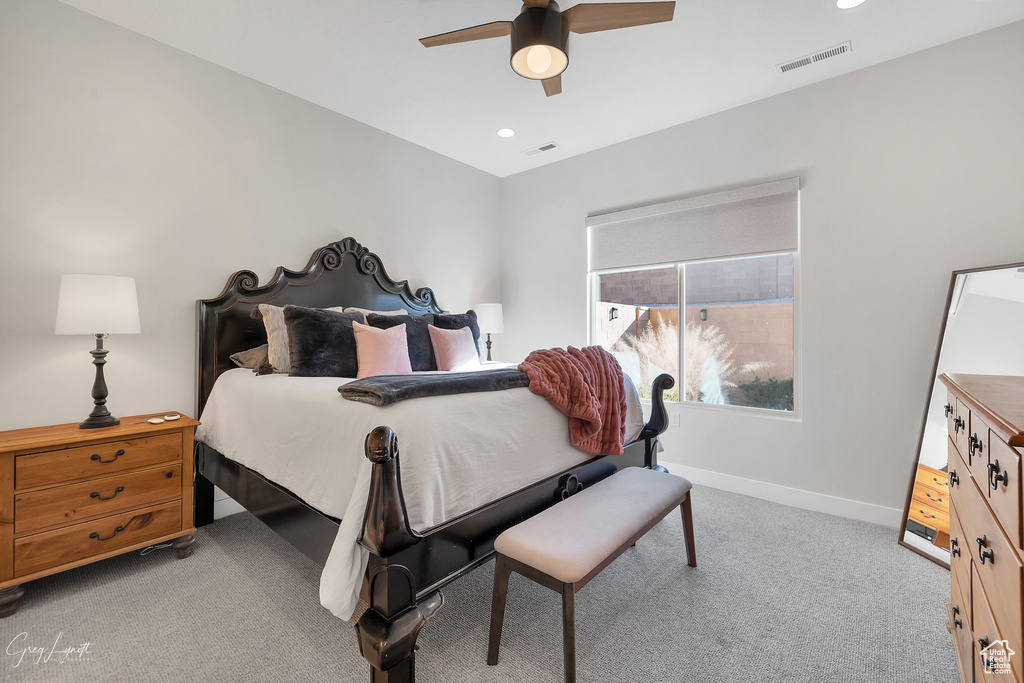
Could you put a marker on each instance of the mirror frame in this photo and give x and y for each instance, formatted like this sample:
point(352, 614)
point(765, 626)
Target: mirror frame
point(927, 403)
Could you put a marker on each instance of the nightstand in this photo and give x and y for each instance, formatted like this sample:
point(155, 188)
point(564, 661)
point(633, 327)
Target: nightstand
point(71, 496)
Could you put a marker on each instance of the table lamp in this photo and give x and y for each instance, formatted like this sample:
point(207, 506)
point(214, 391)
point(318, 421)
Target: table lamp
point(98, 305)
point(489, 318)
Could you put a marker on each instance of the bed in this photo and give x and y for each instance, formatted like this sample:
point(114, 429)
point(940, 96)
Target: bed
point(408, 558)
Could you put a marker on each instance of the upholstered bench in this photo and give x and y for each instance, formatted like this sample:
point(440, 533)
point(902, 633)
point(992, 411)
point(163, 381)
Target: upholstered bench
point(567, 545)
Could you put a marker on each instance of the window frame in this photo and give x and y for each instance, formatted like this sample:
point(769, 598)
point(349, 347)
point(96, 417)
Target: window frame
point(794, 415)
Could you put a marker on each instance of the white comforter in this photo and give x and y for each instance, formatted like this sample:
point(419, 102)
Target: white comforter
point(458, 452)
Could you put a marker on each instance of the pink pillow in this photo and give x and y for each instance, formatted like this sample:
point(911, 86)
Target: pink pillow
point(454, 349)
point(381, 352)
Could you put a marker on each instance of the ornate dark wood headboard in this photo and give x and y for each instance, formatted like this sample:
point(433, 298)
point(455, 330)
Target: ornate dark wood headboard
point(342, 273)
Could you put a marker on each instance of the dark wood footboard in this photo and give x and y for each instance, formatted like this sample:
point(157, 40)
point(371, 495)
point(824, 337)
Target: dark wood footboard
point(407, 569)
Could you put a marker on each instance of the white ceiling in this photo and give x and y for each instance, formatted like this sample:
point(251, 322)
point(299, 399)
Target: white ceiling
point(362, 59)
point(1007, 283)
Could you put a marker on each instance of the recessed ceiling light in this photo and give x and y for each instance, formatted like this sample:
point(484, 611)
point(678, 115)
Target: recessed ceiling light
point(506, 132)
point(848, 4)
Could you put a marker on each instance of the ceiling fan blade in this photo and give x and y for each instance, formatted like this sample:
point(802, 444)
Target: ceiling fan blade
point(553, 85)
point(495, 29)
point(590, 17)
point(536, 3)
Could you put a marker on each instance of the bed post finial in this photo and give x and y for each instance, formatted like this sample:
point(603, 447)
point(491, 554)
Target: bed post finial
point(658, 422)
point(386, 529)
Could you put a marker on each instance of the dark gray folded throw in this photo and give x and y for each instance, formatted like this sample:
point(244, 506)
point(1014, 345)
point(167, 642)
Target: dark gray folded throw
point(384, 390)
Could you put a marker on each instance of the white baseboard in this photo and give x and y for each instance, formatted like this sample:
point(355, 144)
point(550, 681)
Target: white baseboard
point(807, 500)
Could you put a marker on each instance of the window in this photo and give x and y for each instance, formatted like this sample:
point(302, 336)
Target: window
point(737, 345)
point(636, 318)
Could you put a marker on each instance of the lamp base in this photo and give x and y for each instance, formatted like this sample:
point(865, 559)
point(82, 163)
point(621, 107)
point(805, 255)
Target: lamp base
point(97, 422)
point(100, 416)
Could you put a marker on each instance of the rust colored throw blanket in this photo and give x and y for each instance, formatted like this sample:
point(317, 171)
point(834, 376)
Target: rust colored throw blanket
point(586, 386)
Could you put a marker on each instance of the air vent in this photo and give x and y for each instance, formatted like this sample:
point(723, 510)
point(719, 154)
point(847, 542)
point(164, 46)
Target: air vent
point(815, 58)
point(543, 148)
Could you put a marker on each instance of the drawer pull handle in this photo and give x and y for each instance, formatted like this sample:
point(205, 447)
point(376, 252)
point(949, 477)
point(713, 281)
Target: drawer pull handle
point(96, 494)
point(926, 514)
point(947, 409)
point(955, 545)
point(974, 445)
point(995, 476)
point(937, 500)
point(954, 478)
point(989, 554)
point(987, 663)
point(96, 456)
point(957, 623)
point(959, 424)
point(117, 530)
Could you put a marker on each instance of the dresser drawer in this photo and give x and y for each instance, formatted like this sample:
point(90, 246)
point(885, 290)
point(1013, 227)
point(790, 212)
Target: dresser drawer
point(959, 589)
point(97, 460)
point(996, 566)
point(82, 541)
point(977, 448)
point(992, 643)
point(72, 503)
point(1002, 484)
point(960, 560)
point(961, 633)
point(961, 429)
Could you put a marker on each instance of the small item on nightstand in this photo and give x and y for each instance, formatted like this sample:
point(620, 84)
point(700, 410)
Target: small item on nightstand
point(171, 417)
point(155, 420)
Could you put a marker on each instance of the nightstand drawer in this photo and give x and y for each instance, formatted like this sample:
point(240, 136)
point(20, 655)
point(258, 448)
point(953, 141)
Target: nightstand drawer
point(82, 541)
point(72, 503)
point(97, 460)
point(931, 480)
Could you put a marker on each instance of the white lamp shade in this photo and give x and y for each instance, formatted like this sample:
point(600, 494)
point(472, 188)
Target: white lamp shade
point(489, 318)
point(97, 304)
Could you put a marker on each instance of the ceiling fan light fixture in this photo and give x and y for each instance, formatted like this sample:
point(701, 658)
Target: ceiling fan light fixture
point(538, 48)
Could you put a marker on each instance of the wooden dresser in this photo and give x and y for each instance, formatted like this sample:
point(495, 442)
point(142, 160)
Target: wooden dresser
point(71, 496)
point(985, 417)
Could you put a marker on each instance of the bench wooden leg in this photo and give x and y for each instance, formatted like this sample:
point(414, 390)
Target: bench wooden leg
point(501, 574)
point(691, 550)
point(569, 631)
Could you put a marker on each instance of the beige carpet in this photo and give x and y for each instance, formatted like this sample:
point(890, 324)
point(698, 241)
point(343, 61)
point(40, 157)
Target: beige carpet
point(779, 594)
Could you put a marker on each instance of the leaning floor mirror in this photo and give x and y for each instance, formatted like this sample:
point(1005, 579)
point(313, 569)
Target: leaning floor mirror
point(981, 334)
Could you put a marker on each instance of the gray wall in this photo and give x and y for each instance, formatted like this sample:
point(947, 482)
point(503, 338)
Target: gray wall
point(909, 170)
point(121, 155)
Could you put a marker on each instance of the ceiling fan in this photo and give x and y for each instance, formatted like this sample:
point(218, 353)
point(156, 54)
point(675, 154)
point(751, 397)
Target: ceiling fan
point(541, 31)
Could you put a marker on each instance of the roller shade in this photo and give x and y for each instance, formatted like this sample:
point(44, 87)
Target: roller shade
point(758, 219)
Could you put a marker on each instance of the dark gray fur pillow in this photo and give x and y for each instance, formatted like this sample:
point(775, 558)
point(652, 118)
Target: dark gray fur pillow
point(457, 321)
point(421, 350)
point(321, 343)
